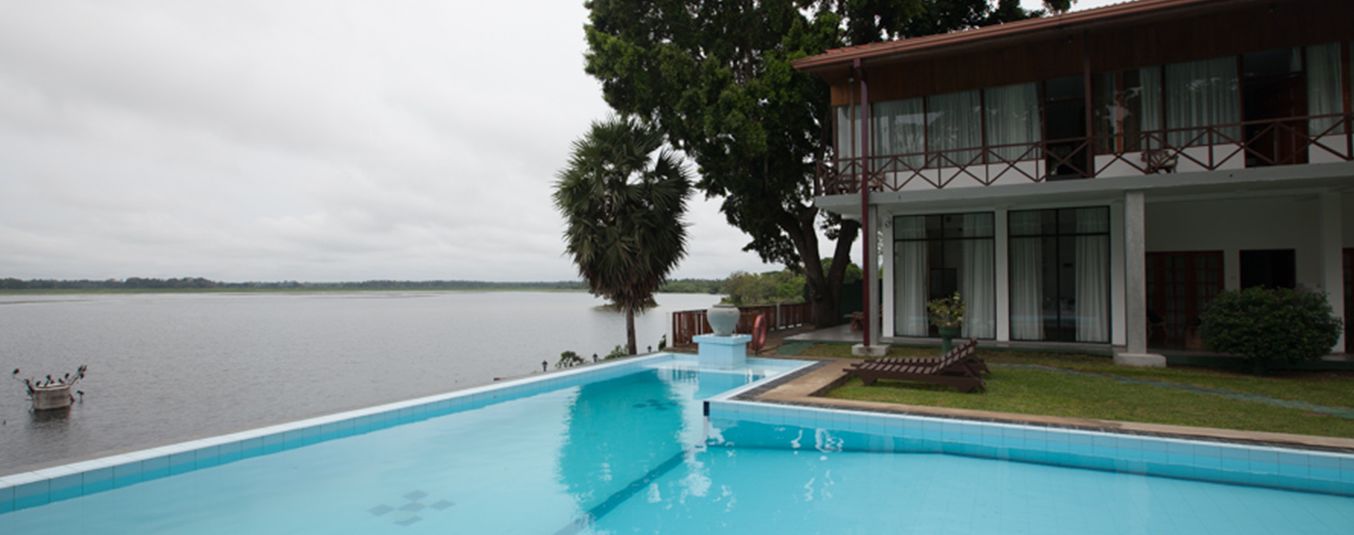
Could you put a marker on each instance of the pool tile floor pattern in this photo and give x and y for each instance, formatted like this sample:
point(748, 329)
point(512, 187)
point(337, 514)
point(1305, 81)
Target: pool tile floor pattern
point(407, 513)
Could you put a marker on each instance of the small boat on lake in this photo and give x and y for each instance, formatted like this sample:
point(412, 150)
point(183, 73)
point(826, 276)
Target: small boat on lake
point(52, 393)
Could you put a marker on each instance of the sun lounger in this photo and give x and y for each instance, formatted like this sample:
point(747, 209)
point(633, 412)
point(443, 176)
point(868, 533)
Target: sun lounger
point(960, 369)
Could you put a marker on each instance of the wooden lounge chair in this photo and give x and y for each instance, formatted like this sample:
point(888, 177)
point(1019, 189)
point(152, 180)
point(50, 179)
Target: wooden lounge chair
point(971, 358)
point(959, 369)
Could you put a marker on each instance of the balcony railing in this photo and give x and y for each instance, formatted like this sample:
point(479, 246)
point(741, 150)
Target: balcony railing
point(1257, 143)
point(689, 323)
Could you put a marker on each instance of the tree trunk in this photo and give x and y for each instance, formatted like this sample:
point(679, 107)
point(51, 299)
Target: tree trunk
point(824, 287)
point(630, 329)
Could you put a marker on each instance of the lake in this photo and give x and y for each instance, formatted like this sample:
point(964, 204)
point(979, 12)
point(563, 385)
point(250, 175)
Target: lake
point(165, 368)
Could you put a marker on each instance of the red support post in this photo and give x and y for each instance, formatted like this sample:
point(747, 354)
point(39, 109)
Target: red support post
point(864, 203)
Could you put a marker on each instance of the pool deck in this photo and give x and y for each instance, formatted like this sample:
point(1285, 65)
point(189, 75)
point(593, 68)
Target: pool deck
point(806, 389)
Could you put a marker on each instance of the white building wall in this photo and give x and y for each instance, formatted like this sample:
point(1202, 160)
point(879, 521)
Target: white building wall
point(1231, 225)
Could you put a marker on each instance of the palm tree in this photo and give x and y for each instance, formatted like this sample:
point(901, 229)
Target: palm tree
point(623, 195)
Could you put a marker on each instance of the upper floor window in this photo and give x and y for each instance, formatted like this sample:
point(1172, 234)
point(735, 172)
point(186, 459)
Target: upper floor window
point(847, 130)
point(1202, 102)
point(954, 131)
point(1127, 110)
point(1013, 121)
point(899, 128)
point(1324, 94)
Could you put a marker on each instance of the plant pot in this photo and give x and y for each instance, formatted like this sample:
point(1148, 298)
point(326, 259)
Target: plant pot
point(947, 335)
point(723, 319)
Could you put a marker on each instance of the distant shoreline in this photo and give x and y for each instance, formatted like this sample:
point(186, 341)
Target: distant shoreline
point(77, 291)
point(136, 285)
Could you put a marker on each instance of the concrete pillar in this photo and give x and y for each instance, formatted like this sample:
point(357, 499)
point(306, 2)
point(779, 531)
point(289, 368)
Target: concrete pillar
point(889, 322)
point(1332, 259)
point(1135, 285)
point(1002, 258)
point(1118, 327)
point(876, 347)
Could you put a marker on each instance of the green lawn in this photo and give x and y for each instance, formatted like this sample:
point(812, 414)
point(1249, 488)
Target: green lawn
point(1013, 388)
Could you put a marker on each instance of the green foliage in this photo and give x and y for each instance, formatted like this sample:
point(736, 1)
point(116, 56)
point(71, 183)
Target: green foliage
point(1268, 326)
point(692, 286)
point(769, 288)
point(617, 352)
point(568, 359)
point(946, 311)
point(717, 79)
point(853, 273)
point(663, 342)
point(622, 195)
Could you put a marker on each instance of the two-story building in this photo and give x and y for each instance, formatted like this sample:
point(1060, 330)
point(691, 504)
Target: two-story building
point(1097, 177)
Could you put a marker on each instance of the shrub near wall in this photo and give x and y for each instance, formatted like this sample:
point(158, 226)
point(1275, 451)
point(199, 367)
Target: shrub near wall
point(1270, 326)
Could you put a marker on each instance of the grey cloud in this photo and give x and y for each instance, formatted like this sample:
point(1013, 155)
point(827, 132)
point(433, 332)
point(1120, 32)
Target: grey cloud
point(253, 140)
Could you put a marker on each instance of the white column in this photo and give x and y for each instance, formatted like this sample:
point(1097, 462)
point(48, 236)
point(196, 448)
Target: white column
point(1135, 285)
point(873, 252)
point(1332, 261)
point(871, 259)
point(1118, 327)
point(886, 224)
point(1003, 288)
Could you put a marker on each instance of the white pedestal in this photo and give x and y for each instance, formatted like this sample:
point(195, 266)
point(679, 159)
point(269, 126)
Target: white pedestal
point(723, 351)
point(872, 351)
point(1141, 360)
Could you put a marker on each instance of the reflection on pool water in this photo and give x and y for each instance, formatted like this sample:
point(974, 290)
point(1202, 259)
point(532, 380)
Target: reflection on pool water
point(629, 454)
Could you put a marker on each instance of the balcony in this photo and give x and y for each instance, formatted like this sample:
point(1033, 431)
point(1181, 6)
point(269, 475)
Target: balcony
point(1249, 144)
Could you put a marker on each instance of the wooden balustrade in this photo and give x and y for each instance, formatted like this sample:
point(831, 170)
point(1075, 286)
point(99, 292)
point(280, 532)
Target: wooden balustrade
point(689, 323)
point(1257, 143)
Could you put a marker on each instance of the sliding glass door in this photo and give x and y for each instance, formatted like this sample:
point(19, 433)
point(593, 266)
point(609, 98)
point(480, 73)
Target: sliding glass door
point(937, 256)
point(1060, 274)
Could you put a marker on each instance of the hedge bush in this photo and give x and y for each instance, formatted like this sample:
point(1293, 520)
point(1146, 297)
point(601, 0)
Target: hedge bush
point(1270, 326)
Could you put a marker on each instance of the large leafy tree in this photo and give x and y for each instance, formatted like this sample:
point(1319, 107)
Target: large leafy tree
point(623, 194)
point(715, 77)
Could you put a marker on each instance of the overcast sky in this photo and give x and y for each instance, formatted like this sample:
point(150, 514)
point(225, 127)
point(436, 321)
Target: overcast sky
point(301, 140)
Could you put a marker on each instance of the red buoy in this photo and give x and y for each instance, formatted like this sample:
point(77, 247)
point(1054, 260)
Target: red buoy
point(758, 333)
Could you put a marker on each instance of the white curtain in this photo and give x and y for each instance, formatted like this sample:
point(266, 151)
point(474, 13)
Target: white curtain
point(847, 132)
point(1149, 79)
point(955, 123)
point(909, 276)
point(1013, 118)
point(1200, 94)
point(1323, 86)
point(1092, 276)
point(899, 127)
point(1026, 279)
point(977, 278)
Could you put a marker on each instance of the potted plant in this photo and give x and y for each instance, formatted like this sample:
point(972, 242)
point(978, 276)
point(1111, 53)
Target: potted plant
point(947, 314)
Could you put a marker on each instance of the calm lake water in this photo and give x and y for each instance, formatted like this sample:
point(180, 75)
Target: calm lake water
point(165, 368)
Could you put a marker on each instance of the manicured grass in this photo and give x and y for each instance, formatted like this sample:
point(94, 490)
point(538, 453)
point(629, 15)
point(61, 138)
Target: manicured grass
point(1012, 388)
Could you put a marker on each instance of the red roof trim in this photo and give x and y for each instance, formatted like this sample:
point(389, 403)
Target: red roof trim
point(1111, 13)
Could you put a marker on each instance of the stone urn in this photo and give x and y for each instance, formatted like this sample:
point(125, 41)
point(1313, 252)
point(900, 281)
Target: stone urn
point(723, 318)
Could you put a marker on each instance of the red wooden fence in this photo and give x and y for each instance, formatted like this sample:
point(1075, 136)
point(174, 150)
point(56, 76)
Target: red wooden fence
point(689, 323)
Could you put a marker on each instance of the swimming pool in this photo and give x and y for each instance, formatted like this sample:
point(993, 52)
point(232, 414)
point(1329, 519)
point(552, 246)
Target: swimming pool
point(619, 448)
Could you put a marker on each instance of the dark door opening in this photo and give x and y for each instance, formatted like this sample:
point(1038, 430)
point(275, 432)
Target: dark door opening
point(1273, 87)
point(1065, 129)
point(1179, 286)
point(1273, 268)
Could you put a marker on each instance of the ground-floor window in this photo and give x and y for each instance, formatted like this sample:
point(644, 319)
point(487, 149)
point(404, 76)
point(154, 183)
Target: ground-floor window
point(936, 256)
point(1180, 285)
point(1060, 274)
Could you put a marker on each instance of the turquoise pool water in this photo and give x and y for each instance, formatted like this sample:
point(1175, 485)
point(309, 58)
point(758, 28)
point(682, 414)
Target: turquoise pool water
point(634, 454)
